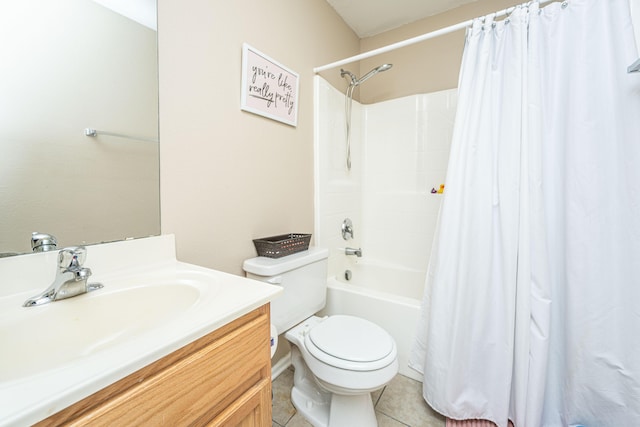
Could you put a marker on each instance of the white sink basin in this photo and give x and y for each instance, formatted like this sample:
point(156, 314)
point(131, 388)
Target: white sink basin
point(65, 331)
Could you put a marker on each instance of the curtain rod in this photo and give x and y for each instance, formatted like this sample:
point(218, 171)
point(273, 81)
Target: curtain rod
point(413, 40)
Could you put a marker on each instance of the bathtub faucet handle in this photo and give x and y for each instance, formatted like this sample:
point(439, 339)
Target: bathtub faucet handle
point(347, 229)
point(352, 251)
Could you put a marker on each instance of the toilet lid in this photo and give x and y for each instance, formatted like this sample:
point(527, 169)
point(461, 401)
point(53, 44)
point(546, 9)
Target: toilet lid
point(351, 343)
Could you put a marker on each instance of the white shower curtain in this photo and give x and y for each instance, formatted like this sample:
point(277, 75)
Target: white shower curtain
point(532, 302)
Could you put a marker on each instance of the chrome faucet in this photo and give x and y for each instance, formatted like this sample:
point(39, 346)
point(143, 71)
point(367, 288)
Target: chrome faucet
point(71, 278)
point(347, 229)
point(352, 251)
point(43, 242)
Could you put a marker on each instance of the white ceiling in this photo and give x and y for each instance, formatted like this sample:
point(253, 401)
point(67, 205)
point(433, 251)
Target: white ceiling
point(370, 17)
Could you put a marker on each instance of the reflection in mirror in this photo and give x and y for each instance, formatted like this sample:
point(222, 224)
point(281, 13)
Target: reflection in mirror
point(68, 65)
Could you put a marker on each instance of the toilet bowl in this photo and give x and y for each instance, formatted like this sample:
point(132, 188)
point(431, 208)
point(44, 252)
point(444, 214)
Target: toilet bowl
point(338, 360)
point(346, 354)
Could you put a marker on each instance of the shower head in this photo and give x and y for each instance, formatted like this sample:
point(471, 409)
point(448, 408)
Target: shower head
point(383, 67)
point(355, 81)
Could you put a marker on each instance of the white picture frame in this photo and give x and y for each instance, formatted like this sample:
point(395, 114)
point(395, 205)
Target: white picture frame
point(268, 89)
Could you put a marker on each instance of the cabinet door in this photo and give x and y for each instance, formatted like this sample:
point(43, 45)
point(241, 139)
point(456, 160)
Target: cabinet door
point(251, 410)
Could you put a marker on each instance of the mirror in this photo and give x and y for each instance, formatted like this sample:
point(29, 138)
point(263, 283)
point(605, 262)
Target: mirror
point(67, 66)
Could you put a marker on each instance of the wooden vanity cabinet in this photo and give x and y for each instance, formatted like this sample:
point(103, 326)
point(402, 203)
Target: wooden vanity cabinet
point(222, 379)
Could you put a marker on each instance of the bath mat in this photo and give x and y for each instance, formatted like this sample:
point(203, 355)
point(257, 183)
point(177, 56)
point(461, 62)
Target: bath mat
point(471, 423)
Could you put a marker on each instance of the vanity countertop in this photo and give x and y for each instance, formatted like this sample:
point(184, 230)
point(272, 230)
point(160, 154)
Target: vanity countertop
point(57, 354)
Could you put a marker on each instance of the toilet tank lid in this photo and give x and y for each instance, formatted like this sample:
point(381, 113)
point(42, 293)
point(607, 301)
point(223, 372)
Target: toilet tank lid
point(263, 266)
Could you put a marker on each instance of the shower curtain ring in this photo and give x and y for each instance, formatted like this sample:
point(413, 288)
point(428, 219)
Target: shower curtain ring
point(507, 18)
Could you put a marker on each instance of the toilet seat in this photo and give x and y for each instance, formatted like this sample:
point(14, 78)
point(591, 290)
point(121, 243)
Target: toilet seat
point(351, 343)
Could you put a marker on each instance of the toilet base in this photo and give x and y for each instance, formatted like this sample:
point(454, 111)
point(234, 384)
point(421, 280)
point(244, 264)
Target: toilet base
point(324, 409)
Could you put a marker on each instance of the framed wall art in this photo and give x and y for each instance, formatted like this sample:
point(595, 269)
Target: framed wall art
point(268, 88)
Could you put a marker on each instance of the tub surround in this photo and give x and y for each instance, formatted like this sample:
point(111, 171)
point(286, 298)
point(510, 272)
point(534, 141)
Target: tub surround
point(400, 151)
point(223, 297)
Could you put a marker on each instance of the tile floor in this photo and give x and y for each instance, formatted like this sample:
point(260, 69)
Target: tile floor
point(399, 404)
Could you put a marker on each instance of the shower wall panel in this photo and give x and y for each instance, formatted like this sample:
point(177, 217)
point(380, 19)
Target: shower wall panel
point(400, 150)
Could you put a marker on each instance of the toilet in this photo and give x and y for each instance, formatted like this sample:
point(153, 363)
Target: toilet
point(339, 360)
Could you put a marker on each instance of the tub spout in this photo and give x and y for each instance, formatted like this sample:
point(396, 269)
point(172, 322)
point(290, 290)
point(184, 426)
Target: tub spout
point(352, 251)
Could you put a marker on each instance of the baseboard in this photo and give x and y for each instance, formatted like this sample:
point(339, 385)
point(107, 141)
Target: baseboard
point(280, 366)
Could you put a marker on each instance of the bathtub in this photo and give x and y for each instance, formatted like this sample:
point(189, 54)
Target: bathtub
point(386, 295)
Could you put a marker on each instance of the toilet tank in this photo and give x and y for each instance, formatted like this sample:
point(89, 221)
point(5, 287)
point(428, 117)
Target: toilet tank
point(303, 277)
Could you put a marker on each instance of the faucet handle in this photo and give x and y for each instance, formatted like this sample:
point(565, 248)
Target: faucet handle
point(347, 229)
point(72, 257)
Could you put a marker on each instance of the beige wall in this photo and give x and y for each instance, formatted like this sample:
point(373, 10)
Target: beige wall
point(228, 176)
point(425, 67)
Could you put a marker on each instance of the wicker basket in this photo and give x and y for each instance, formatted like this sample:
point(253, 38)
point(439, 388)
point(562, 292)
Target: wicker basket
point(283, 245)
